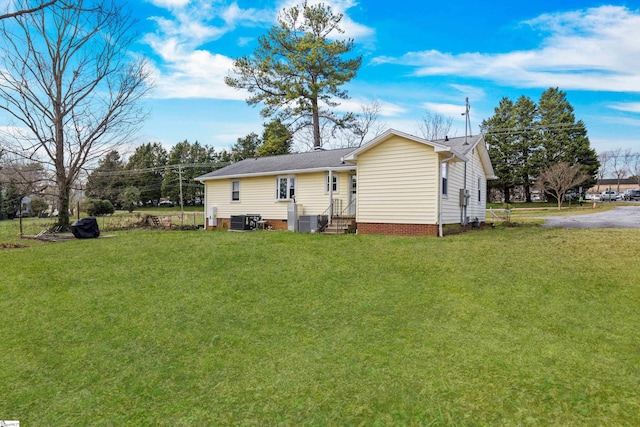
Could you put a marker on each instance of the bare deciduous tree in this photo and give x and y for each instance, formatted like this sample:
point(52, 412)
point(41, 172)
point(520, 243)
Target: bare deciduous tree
point(365, 126)
point(69, 86)
point(434, 126)
point(560, 177)
point(28, 8)
point(634, 166)
point(605, 164)
point(618, 166)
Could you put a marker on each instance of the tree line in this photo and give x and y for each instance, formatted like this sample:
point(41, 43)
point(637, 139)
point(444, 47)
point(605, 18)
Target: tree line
point(619, 164)
point(152, 173)
point(526, 139)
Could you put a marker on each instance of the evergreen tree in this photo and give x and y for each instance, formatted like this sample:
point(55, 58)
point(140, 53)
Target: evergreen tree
point(563, 138)
point(246, 147)
point(525, 139)
point(276, 139)
point(107, 180)
point(525, 144)
point(297, 68)
point(148, 161)
point(499, 137)
point(189, 161)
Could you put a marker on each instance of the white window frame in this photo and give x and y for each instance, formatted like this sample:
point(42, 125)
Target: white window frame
point(479, 189)
point(336, 182)
point(444, 175)
point(234, 190)
point(291, 188)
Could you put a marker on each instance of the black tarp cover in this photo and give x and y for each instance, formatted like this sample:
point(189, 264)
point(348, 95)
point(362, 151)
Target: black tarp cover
point(85, 228)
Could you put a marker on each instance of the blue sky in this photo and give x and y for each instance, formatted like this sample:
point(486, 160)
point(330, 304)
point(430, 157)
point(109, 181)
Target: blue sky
point(417, 55)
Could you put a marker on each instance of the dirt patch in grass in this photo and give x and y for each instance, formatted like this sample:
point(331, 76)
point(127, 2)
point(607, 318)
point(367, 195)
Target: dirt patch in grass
point(12, 246)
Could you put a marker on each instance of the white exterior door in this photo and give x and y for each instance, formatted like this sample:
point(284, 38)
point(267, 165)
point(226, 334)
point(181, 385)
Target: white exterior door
point(353, 194)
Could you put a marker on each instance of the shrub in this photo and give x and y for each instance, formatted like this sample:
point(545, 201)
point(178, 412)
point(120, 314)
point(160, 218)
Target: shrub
point(98, 207)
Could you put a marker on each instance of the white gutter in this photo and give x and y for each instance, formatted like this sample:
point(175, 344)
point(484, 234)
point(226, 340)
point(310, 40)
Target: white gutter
point(440, 193)
point(275, 173)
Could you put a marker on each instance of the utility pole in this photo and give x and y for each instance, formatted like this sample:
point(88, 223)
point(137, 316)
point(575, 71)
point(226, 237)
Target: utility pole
point(181, 198)
point(467, 126)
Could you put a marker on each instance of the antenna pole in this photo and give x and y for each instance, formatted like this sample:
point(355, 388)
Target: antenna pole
point(467, 123)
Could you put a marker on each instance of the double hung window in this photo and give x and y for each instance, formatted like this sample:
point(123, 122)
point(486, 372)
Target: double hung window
point(444, 172)
point(334, 186)
point(285, 188)
point(235, 191)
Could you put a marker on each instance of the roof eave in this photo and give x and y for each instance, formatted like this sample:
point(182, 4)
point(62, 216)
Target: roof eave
point(276, 173)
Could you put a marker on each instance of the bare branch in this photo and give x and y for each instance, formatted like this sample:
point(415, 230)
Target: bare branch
point(70, 87)
point(434, 126)
point(558, 178)
point(34, 9)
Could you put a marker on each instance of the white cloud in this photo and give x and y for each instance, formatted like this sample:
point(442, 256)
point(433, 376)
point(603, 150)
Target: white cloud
point(444, 109)
point(169, 4)
point(472, 92)
point(592, 49)
point(184, 69)
point(387, 109)
point(630, 107)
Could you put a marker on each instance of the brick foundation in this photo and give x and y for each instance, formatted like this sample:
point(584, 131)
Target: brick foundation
point(397, 229)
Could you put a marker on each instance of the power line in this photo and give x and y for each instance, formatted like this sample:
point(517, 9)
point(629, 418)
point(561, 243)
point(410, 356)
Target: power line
point(551, 126)
point(159, 168)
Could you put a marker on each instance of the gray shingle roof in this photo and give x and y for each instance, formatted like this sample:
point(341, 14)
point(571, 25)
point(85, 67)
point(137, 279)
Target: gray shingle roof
point(318, 160)
point(286, 163)
point(457, 144)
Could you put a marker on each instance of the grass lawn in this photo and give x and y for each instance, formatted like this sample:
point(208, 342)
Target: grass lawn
point(510, 326)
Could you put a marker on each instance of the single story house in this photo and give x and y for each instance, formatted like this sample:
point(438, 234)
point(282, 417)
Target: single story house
point(395, 184)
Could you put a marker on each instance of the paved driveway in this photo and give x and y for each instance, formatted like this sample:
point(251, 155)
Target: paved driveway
point(619, 217)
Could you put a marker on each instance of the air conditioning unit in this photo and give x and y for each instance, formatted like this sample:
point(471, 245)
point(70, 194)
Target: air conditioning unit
point(244, 222)
point(309, 223)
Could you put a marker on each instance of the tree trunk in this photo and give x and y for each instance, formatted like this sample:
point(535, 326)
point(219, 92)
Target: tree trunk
point(316, 124)
point(507, 194)
point(63, 207)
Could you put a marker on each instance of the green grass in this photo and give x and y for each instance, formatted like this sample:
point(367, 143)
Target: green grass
point(511, 326)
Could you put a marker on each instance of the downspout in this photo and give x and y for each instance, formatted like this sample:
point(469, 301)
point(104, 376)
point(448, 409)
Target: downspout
point(463, 208)
point(206, 207)
point(440, 194)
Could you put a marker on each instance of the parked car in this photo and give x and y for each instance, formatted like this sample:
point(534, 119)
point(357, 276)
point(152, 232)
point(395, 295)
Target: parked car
point(609, 196)
point(166, 203)
point(592, 197)
point(632, 195)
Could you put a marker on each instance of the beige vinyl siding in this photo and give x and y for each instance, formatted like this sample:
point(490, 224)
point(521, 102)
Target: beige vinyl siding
point(451, 205)
point(451, 210)
point(258, 195)
point(397, 183)
point(475, 208)
point(312, 195)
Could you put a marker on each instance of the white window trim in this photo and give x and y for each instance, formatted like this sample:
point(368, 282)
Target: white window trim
point(337, 183)
point(232, 199)
point(444, 175)
point(289, 186)
point(479, 189)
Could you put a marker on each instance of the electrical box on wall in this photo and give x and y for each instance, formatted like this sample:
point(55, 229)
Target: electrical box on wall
point(213, 216)
point(464, 197)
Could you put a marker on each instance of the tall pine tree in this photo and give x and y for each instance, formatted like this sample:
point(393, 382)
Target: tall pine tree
point(563, 138)
point(298, 69)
